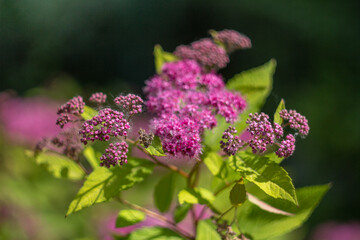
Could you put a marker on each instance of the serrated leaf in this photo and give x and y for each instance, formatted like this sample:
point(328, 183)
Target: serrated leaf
point(181, 211)
point(129, 217)
point(196, 195)
point(261, 225)
point(154, 233)
point(214, 163)
point(90, 155)
point(164, 192)
point(103, 184)
point(206, 230)
point(267, 175)
point(273, 157)
point(277, 118)
point(88, 113)
point(255, 85)
point(162, 57)
point(238, 194)
point(60, 166)
point(155, 148)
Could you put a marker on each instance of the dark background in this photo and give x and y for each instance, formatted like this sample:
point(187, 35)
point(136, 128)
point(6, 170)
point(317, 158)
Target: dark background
point(107, 45)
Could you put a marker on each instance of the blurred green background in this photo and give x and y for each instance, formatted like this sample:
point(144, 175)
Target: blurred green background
point(107, 46)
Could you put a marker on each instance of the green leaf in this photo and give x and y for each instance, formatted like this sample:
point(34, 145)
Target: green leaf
point(164, 192)
point(129, 217)
point(267, 175)
point(255, 85)
point(162, 57)
point(60, 166)
point(181, 211)
point(154, 233)
point(196, 195)
point(214, 163)
point(103, 184)
point(238, 194)
point(273, 157)
point(90, 155)
point(206, 230)
point(277, 118)
point(155, 148)
point(261, 225)
point(88, 113)
point(213, 136)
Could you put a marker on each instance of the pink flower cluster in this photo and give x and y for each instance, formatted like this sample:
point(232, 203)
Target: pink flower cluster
point(108, 123)
point(131, 103)
point(296, 121)
point(232, 40)
point(265, 134)
point(233, 143)
point(74, 107)
point(185, 101)
point(115, 154)
point(205, 52)
point(98, 98)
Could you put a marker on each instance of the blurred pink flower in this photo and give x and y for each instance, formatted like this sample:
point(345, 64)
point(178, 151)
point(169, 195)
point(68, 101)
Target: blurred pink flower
point(337, 231)
point(28, 120)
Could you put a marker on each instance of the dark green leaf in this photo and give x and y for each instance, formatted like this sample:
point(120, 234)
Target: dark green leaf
point(103, 184)
point(164, 192)
point(162, 57)
point(155, 148)
point(88, 113)
point(267, 175)
point(129, 217)
point(261, 225)
point(238, 194)
point(206, 230)
point(60, 166)
point(154, 233)
point(181, 211)
point(277, 118)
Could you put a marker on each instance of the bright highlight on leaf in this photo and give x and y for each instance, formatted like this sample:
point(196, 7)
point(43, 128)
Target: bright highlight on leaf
point(88, 113)
point(277, 118)
point(129, 217)
point(267, 175)
point(206, 230)
point(196, 195)
point(155, 148)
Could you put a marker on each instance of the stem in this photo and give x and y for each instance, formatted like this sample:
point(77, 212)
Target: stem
point(168, 166)
point(225, 187)
point(226, 212)
point(150, 213)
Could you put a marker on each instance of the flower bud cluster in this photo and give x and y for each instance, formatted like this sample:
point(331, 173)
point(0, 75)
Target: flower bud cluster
point(108, 123)
point(233, 143)
point(74, 107)
point(296, 121)
point(115, 154)
point(98, 98)
point(232, 40)
point(266, 134)
point(185, 101)
point(131, 103)
point(145, 139)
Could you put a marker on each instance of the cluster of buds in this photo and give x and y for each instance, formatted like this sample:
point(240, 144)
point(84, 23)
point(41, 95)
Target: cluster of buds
point(108, 123)
point(265, 135)
point(130, 103)
point(114, 155)
point(144, 138)
point(98, 98)
point(74, 107)
point(232, 40)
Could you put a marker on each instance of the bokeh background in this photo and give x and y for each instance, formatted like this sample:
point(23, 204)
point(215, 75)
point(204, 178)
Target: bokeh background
point(61, 48)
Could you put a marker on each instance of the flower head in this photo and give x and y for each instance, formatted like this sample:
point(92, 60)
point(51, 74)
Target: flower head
point(98, 98)
point(131, 103)
point(232, 39)
point(287, 146)
point(73, 106)
point(233, 143)
point(115, 154)
point(296, 121)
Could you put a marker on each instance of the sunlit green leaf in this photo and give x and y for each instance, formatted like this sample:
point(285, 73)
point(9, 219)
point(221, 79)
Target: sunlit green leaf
point(88, 113)
point(129, 217)
point(154, 233)
point(103, 184)
point(267, 175)
point(164, 192)
point(206, 230)
point(214, 163)
point(261, 225)
point(162, 57)
point(155, 148)
point(60, 166)
point(90, 155)
point(196, 195)
point(277, 118)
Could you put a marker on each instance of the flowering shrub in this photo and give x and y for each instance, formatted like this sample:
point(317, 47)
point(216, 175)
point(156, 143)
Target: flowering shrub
point(197, 119)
